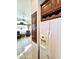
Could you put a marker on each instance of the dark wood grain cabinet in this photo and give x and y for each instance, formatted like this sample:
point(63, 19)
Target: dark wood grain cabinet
point(58, 2)
point(53, 2)
point(50, 9)
point(46, 7)
point(34, 27)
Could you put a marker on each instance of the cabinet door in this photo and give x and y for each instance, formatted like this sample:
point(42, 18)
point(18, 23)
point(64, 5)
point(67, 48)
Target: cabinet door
point(55, 38)
point(58, 2)
point(34, 27)
point(46, 7)
point(53, 2)
point(43, 54)
point(44, 34)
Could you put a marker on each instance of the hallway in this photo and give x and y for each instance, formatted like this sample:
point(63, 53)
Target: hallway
point(22, 43)
point(41, 20)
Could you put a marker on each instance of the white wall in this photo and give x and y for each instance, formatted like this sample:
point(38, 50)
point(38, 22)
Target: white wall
point(24, 6)
point(34, 5)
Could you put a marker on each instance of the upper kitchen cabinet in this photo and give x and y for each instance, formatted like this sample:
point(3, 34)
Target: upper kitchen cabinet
point(45, 7)
point(58, 3)
point(55, 3)
point(50, 9)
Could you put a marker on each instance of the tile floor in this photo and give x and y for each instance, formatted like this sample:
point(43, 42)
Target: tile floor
point(22, 43)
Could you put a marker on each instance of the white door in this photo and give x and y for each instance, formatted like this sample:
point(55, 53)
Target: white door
point(44, 35)
point(50, 39)
point(55, 39)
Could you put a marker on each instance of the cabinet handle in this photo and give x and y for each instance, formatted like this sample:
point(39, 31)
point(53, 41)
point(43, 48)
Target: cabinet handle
point(42, 36)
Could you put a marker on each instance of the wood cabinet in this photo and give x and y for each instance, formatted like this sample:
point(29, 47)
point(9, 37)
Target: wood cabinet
point(46, 7)
point(58, 3)
point(50, 9)
point(53, 2)
point(34, 27)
